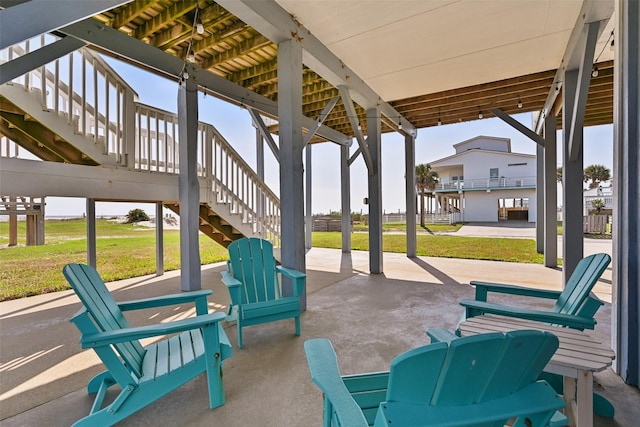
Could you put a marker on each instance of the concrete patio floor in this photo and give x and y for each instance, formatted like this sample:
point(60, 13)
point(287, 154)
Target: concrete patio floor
point(369, 318)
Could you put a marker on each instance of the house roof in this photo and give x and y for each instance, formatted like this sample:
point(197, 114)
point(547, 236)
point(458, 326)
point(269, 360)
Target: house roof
point(459, 147)
point(435, 163)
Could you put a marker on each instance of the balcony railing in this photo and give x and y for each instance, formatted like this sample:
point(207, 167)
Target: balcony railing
point(487, 183)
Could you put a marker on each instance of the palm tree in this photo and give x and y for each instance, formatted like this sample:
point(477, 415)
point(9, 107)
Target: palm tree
point(596, 174)
point(426, 180)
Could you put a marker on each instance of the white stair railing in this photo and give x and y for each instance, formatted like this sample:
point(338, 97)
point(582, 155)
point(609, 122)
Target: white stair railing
point(100, 105)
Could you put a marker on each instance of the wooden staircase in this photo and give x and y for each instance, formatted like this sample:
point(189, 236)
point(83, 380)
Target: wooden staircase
point(212, 225)
point(58, 123)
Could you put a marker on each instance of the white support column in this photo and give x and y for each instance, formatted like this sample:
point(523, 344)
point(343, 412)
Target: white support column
point(345, 198)
point(550, 194)
point(189, 188)
point(91, 233)
point(410, 193)
point(572, 170)
point(308, 187)
point(374, 145)
point(159, 240)
point(291, 170)
point(625, 333)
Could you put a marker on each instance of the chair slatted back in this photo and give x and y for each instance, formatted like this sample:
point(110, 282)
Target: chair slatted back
point(581, 282)
point(470, 370)
point(253, 264)
point(106, 314)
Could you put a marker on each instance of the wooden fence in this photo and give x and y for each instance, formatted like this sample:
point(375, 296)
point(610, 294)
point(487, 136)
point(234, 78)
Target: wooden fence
point(597, 224)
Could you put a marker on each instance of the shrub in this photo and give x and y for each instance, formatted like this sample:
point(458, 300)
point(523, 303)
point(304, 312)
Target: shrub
point(137, 215)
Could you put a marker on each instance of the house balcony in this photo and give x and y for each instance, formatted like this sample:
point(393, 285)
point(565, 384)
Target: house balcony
point(588, 202)
point(501, 183)
point(370, 318)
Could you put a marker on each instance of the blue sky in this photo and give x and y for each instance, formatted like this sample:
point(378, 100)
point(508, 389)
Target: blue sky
point(235, 125)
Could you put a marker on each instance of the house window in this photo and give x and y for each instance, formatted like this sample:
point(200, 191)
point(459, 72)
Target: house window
point(493, 173)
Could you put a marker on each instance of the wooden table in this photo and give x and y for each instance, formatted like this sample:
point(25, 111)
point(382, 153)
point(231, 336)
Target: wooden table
point(578, 356)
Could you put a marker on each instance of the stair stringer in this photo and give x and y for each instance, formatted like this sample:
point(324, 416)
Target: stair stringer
point(29, 102)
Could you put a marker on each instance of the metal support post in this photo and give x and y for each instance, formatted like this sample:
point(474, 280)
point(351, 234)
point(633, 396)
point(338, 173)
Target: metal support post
point(625, 333)
point(188, 186)
point(91, 233)
point(308, 187)
point(572, 170)
point(540, 219)
point(410, 193)
point(550, 193)
point(159, 240)
point(345, 198)
point(374, 146)
point(291, 169)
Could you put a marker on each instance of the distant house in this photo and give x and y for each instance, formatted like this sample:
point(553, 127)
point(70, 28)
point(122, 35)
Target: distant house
point(486, 182)
point(603, 192)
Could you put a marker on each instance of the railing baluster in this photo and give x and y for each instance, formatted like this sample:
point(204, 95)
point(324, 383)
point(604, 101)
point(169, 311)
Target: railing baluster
point(96, 122)
point(107, 123)
point(70, 91)
point(83, 113)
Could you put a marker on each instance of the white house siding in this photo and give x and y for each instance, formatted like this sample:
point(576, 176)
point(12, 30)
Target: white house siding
point(484, 142)
point(478, 163)
point(480, 206)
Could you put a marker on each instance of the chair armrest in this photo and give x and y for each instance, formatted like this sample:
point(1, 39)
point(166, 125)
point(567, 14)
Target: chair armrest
point(482, 288)
point(164, 300)
point(294, 274)
point(100, 339)
point(476, 308)
point(441, 335)
point(229, 280)
point(298, 278)
point(323, 366)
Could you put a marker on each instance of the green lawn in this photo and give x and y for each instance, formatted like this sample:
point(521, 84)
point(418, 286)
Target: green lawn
point(126, 250)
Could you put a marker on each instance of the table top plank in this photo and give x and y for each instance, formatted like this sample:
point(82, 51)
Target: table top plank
point(577, 349)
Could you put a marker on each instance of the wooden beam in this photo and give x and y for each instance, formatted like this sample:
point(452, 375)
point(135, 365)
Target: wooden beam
point(130, 12)
point(518, 126)
point(171, 13)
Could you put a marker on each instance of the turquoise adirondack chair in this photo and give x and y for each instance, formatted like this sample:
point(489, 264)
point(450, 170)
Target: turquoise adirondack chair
point(144, 374)
point(480, 380)
point(255, 288)
point(575, 307)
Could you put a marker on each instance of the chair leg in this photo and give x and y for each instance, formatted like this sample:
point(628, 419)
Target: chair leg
point(297, 325)
point(239, 325)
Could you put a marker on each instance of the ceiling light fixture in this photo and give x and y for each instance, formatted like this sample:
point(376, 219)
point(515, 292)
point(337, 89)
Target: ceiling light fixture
point(595, 72)
point(359, 126)
point(439, 122)
point(399, 124)
point(199, 26)
point(480, 113)
point(519, 102)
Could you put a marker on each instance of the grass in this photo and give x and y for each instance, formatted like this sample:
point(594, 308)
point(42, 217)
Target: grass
point(128, 250)
point(512, 250)
point(123, 251)
point(402, 227)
